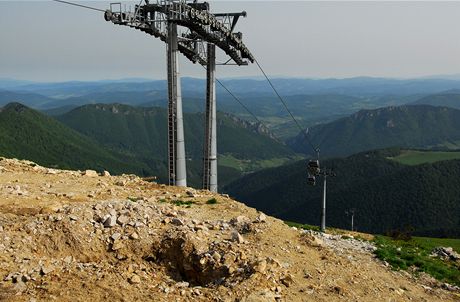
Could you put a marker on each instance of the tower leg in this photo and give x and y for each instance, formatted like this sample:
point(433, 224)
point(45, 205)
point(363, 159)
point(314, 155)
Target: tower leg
point(323, 206)
point(176, 144)
point(210, 141)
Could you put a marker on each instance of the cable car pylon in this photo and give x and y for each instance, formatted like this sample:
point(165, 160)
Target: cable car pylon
point(314, 170)
point(210, 140)
point(200, 33)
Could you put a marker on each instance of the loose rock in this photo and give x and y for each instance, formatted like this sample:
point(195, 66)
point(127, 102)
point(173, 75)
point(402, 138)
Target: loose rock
point(46, 269)
point(262, 217)
point(117, 244)
point(177, 221)
point(237, 237)
point(110, 221)
point(90, 173)
point(135, 279)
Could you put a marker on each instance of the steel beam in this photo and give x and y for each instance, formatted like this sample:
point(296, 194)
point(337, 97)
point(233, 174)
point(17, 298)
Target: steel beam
point(210, 140)
point(176, 144)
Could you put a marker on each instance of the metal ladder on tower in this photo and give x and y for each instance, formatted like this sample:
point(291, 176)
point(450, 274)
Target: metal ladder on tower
point(171, 138)
point(207, 146)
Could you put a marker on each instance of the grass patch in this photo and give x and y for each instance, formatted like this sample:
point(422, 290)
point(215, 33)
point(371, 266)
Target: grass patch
point(414, 157)
point(431, 243)
point(179, 203)
point(415, 253)
point(246, 165)
point(346, 234)
point(303, 226)
point(211, 201)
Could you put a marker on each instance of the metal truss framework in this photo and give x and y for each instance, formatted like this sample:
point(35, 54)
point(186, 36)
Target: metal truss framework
point(199, 34)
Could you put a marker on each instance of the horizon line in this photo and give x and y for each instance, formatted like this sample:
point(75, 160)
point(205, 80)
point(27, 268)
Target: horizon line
point(454, 77)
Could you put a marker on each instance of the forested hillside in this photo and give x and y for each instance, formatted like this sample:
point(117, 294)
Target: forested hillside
point(446, 99)
point(142, 132)
point(419, 126)
point(28, 134)
point(125, 139)
point(386, 195)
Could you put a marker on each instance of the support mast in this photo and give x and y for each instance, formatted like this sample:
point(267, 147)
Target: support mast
point(210, 140)
point(323, 206)
point(176, 144)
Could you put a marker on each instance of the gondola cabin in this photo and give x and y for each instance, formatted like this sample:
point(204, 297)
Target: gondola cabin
point(313, 167)
point(311, 180)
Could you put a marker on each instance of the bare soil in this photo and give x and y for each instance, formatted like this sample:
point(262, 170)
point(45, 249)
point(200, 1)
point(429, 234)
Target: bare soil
point(78, 236)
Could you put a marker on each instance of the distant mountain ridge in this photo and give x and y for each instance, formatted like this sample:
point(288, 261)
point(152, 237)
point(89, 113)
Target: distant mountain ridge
point(26, 98)
point(358, 86)
point(449, 98)
point(420, 126)
point(313, 101)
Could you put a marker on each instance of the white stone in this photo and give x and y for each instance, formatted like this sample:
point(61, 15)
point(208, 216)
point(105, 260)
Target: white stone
point(68, 259)
point(182, 284)
point(46, 269)
point(262, 217)
point(216, 256)
point(90, 173)
point(115, 236)
point(110, 221)
point(117, 244)
point(135, 279)
point(237, 237)
point(122, 219)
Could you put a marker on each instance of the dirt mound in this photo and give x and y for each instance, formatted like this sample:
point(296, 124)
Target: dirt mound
point(79, 236)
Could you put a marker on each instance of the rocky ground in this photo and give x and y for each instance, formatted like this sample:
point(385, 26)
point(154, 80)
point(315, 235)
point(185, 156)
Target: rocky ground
point(80, 236)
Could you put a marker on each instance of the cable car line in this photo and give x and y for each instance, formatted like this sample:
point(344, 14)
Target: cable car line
point(315, 149)
point(80, 5)
point(313, 166)
point(249, 111)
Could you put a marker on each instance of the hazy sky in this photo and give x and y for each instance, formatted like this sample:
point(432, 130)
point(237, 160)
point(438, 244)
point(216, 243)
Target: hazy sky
point(49, 41)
